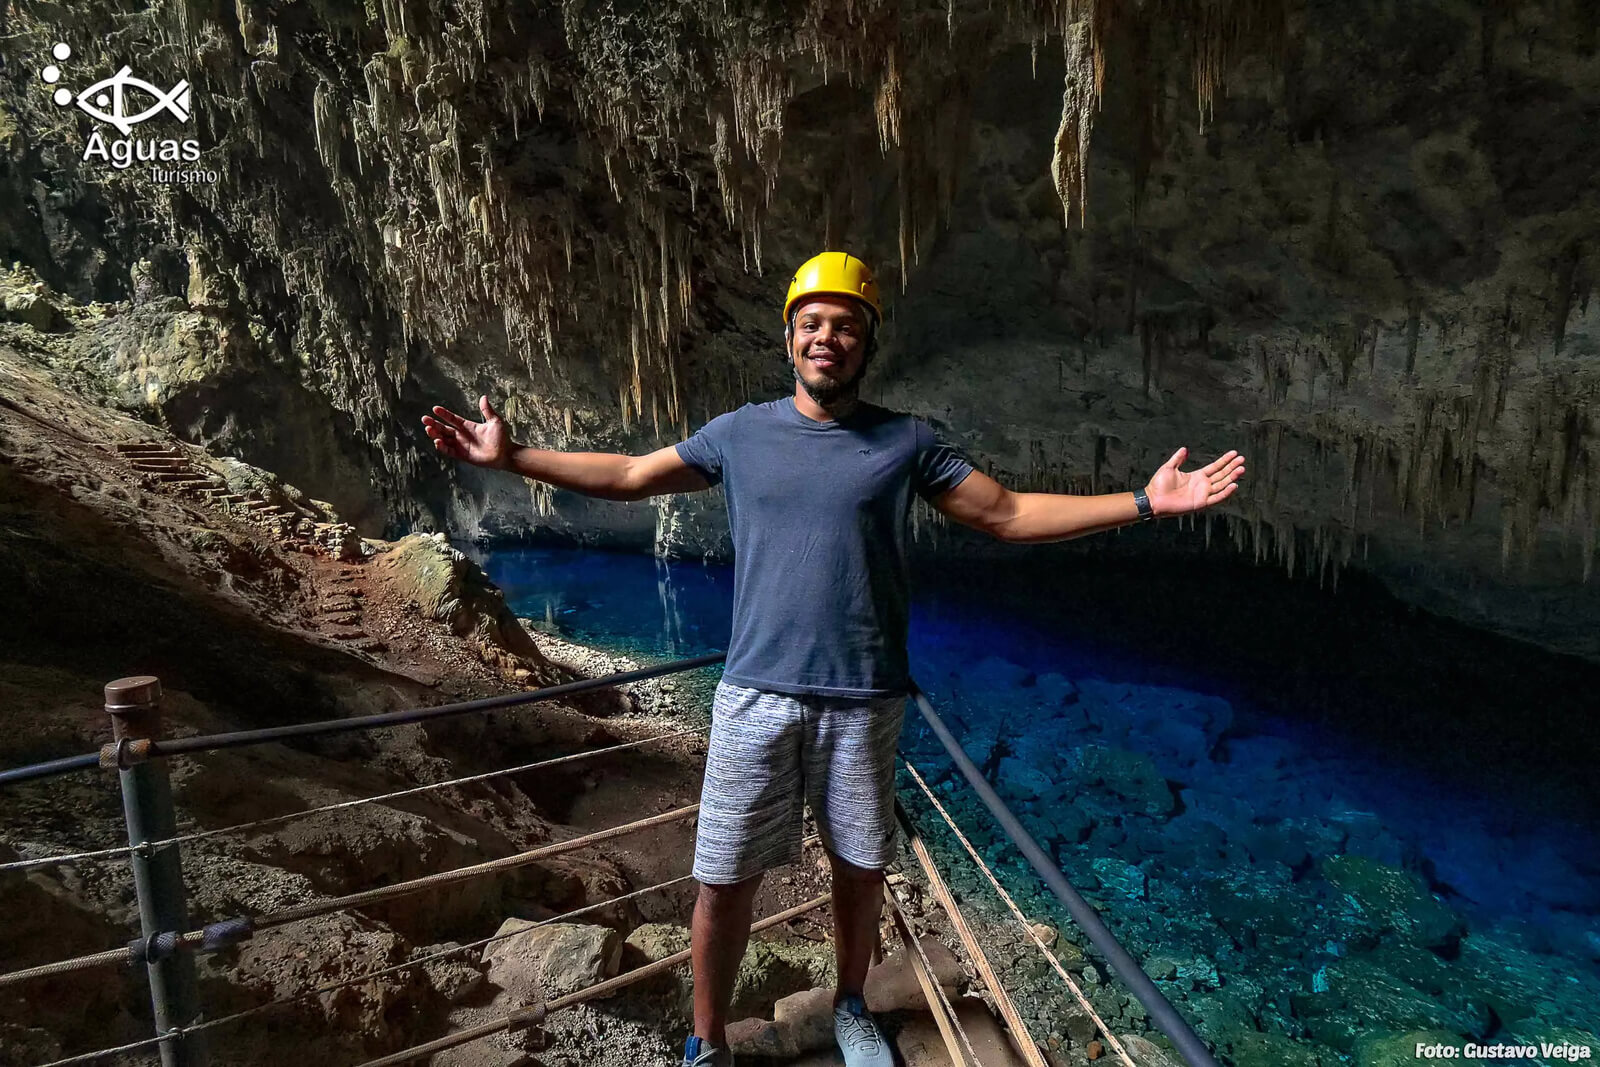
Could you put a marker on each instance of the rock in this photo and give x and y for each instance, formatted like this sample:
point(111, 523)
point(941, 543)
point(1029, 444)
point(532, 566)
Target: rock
point(454, 978)
point(1145, 1053)
point(33, 309)
point(551, 961)
point(328, 949)
point(772, 969)
point(1400, 1049)
point(892, 985)
point(759, 1037)
point(450, 588)
point(657, 941)
point(1121, 877)
point(1394, 900)
point(1045, 933)
point(1130, 775)
point(1251, 1049)
point(807, 1018)
point(1022, 781)
point(1357, 995)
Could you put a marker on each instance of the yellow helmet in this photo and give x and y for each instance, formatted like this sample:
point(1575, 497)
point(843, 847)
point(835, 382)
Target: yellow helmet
point(837, 273)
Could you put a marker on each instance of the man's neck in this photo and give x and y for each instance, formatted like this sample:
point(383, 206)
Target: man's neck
point(843, 407)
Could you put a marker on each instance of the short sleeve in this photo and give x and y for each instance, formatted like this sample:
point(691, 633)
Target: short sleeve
point(705, 449)
point(939, 466)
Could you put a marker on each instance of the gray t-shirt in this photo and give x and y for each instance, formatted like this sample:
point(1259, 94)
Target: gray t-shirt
point(818, 513)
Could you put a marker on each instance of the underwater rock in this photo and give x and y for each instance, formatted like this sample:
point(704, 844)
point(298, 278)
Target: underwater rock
point(1357, 995)
point(1120, 877)
point(1020, 780)
point(1394, 900)
point(1252, 1049)
point(1400, 1050)
point(1130, 775)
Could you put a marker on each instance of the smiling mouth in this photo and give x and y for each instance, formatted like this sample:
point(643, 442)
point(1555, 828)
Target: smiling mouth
point(824, 361)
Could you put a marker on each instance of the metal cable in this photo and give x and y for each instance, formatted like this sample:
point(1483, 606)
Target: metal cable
point(368, 897)
point(240, 738)
point(98, 1054)
point(362, 979)
point(123, 850)
point(910, 937)
point(1163, 1015)
point(594, 992)
point(1077, 993)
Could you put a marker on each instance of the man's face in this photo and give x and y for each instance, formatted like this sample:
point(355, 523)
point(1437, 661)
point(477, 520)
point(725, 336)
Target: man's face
point(829, 346)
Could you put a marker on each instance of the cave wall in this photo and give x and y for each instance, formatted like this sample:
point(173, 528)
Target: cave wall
point(1353, 240)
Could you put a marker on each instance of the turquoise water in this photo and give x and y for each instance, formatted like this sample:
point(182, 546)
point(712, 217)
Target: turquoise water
point(1333, 820)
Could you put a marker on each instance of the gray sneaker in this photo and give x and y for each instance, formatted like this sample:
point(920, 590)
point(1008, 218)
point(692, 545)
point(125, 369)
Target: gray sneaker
point(863, 1044)
point(698, 1052)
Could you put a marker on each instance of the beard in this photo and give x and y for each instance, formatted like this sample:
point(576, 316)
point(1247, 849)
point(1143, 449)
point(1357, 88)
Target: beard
point(829, 391)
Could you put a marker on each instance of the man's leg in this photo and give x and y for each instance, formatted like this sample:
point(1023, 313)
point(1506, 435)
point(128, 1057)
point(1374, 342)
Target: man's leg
point(719, 934)
point(857, 909)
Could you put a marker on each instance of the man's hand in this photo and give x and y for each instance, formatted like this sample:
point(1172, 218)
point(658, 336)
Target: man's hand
point(484, 444)
point(1175, 492)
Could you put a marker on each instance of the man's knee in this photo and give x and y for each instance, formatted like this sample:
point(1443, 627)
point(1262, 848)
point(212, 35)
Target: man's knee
point(844, 870)
point(729, 895)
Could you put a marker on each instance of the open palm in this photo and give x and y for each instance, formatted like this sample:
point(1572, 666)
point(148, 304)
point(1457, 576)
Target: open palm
point(1175, 492)
point(485, 444)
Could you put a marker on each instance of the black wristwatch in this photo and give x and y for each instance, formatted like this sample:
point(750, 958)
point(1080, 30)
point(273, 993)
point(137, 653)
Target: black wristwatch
point(1140, 500)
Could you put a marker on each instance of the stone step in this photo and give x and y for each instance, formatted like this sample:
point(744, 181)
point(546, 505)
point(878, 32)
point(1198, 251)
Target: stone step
point(349, 618)
point(352, 634)
point(337, 607)
point(371, 644)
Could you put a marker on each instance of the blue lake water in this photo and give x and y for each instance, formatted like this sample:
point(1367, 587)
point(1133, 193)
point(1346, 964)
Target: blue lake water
point(1400, 740)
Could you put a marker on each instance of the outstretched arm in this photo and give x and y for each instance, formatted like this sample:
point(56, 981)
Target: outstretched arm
point(1025, 518)
point(607, 475)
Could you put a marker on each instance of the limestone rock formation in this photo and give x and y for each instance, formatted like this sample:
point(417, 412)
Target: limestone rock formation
point(549, 961)
point(1362, 257)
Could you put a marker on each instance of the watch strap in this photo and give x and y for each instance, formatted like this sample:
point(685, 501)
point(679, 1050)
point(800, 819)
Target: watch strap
point(1142, 501)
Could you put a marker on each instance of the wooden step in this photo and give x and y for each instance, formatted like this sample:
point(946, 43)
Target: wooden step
point(169, 476)
point(140, 462)
point(142, 447)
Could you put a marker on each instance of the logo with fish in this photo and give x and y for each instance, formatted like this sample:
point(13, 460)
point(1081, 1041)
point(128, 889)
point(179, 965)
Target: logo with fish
point(122, 102)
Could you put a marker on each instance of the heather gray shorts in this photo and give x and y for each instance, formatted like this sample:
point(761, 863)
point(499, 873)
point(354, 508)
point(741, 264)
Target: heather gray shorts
point(771, 752)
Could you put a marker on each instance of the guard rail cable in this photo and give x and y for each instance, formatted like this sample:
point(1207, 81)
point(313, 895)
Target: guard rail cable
point(1160, 1010)
point(134, 705)
point(275, 820)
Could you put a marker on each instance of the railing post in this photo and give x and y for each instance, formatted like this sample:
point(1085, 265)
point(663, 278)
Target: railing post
point(134, 705)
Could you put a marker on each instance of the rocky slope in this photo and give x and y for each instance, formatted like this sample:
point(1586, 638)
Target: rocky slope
point(1354, 241)
point(131, 552)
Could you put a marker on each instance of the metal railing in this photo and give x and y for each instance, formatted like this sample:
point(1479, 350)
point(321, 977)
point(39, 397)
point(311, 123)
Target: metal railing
point(167, 945)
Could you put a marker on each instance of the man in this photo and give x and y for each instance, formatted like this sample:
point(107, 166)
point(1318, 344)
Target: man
point(818, 488)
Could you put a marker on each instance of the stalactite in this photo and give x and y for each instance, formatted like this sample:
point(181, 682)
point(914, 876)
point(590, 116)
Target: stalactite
point(1070, 164)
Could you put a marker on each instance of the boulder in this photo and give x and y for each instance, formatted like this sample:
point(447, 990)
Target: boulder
point(1121, 877)
point(550, 961)
point(1400, 1049)
point(1251, 1049)
point(1019, 780)
point(1358, 995)
point(1395, 900)
point(455, 978)
point(33, 309)
point(803, 1022)
point(1129, 775)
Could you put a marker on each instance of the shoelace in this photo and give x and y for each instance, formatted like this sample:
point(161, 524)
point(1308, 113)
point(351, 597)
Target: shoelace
point(860, 1032)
